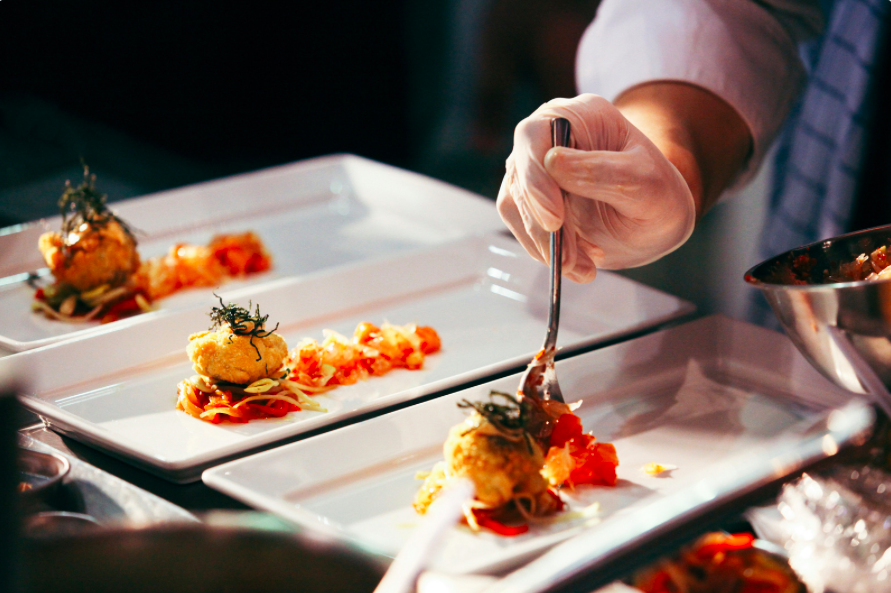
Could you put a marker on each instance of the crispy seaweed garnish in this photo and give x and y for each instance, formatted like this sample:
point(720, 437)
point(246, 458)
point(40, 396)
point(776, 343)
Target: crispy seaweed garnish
point(241, 321)
point(511, 418)
point(84, 204)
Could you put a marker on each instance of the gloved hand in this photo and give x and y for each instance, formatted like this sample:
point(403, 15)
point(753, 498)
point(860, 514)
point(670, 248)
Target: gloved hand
point(626, 206)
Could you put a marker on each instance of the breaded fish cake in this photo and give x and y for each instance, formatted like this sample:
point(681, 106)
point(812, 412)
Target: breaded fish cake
point(226, 356)
point(91, 255)
point(500, 468)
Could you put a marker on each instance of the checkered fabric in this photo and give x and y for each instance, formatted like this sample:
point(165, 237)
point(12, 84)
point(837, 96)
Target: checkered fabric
point(820, 156)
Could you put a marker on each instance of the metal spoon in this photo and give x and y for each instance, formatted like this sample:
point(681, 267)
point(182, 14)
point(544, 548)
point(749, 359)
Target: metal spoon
point(539, 382)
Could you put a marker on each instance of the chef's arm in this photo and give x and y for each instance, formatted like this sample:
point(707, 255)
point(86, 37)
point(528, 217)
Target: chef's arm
point(699, 133)
point(679, 100)
point(740, 59)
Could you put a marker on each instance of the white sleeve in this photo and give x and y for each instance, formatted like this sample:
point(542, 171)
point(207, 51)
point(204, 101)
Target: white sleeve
point(744, 51)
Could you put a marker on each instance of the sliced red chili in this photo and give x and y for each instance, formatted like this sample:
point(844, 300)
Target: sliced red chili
point(498, 527)
point(276, 412)
point(736, 541)
point(121, 309)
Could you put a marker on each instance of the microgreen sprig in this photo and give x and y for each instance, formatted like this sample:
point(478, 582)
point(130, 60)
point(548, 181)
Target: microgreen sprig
point(510, 418)
point(241, 321)
point(84, 204)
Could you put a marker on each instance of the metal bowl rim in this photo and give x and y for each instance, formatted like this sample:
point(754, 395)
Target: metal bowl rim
point(52, 480)
point(750, 278)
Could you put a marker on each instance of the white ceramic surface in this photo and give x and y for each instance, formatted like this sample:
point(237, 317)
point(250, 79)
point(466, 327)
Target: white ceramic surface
point(697, 396)
point(311, 215)
point(484, 295)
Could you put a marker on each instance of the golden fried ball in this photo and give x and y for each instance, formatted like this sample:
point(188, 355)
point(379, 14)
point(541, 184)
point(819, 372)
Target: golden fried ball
point(96, 255)
point(225, 356)
point(499, 467)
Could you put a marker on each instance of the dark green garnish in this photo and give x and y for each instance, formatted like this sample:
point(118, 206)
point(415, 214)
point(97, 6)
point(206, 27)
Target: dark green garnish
point(84, 204)
point(510, 418)
point(241, 321)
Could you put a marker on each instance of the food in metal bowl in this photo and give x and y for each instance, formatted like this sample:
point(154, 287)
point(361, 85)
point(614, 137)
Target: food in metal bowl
point(834, 309)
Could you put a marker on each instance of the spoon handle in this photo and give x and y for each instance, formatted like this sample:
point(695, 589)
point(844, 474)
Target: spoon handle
point(560, 130)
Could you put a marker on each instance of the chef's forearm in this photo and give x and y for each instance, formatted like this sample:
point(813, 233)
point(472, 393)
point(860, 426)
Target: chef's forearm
point(703, 136)
point(745, 53)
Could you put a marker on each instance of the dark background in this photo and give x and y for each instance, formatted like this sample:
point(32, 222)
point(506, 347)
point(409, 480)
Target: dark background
point(154, 95)
point(233, 84)
point(160, 94)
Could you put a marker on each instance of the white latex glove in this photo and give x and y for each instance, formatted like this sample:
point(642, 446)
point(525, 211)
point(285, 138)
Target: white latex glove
point(627, 205)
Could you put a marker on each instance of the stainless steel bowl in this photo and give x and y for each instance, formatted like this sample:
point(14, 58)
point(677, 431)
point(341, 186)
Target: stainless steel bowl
point(58, 524)
point(40, 475)
point(842, 328)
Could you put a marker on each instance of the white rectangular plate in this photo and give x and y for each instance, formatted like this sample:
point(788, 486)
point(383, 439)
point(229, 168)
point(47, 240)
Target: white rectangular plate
point(311, 215)
point(484, 295)
point(695, 396)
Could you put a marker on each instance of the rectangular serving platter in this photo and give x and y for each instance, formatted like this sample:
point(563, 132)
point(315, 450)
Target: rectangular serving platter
point(701, 396)
point(116, 389)
point(312, 215)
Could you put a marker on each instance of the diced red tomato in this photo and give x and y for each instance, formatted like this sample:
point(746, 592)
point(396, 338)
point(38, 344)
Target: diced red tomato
point(597, 464)
point(567, 427)
point(240, 254)
point(430, 341)
point(588, 462)
point(365, 332)
point(353, 361)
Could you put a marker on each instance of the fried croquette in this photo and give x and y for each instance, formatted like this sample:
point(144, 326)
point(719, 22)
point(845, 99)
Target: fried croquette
point(91, 255)
point(500, 467)
point(226, 356)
